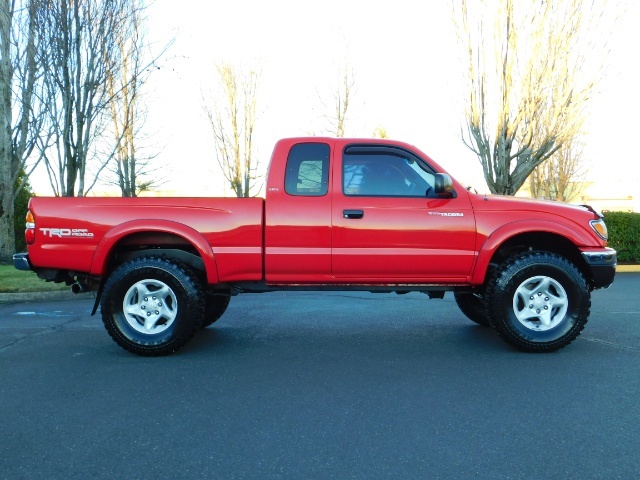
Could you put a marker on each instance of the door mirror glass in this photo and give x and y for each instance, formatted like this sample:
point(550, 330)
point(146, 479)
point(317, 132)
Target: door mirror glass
point(443, 185)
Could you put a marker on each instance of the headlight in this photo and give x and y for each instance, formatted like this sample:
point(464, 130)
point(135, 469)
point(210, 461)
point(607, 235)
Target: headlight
point(600, 228)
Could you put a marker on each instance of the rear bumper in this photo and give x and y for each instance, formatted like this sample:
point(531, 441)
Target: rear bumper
point(21, 261)
point(602, 266)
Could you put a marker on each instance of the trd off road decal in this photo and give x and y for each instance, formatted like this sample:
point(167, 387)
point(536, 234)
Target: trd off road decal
point(66, 232)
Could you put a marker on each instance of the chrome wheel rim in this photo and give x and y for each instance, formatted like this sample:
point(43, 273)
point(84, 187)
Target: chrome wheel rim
point(150, 306)
point(540, 303)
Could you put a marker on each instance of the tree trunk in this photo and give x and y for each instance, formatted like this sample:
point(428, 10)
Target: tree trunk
point(7, 238)
point(7, 241)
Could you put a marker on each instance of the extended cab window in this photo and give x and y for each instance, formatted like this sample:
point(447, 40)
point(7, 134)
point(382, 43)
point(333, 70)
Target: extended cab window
point(307, 170)
point(387, 174)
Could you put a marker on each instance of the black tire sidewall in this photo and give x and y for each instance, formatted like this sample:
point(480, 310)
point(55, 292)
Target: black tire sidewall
point(504, 317)
point(116, 289)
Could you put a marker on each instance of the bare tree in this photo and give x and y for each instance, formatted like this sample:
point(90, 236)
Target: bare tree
point(336, 116)
point(529, 82)
point(380, 132)
point(22, 109)
point(82, 38)
point(130, 168)
point(231, 110)
point(562, 176)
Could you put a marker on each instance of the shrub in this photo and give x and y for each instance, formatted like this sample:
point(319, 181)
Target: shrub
point(20, 212)
point(624, 235)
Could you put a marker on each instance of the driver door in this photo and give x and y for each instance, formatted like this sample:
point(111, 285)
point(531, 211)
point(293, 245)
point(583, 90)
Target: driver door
point(388, 225)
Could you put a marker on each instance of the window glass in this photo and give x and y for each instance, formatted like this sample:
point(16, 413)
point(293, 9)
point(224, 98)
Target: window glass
point(382, 174)
point(307, 170)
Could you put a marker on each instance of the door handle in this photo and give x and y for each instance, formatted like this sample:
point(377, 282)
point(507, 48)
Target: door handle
point(352, 214)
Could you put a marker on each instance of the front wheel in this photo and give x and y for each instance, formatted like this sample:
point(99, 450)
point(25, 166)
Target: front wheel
point(152, 306)
point(538, 302)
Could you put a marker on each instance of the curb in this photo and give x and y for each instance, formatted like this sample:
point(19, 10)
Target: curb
point(628, 269)
point(59, 296)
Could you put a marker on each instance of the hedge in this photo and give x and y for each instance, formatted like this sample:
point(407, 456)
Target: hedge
point(20, 212)
point(624, 235)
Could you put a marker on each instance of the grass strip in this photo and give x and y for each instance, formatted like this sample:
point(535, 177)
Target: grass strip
point(18, 281)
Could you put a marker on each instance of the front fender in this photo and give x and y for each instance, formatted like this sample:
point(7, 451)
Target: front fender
point(504, 233)
point(112, 237)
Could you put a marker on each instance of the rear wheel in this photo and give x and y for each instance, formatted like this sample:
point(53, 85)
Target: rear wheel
point(472, 305)
point(539, 302)
point(216, 306)
point(152, 306)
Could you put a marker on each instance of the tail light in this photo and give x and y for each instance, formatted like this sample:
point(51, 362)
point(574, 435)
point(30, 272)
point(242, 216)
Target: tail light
point(30, 232)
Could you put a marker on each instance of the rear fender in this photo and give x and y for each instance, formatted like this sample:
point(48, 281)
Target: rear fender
point(110, 240)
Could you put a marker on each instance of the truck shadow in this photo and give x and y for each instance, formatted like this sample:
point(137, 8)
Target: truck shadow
point(461, 339)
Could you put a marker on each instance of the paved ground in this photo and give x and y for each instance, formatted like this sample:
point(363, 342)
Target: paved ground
point(313, 385)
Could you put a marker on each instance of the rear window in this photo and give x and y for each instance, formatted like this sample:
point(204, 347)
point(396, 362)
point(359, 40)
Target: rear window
point(307, 170)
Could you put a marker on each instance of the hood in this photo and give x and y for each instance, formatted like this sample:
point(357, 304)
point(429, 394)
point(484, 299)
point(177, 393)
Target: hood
point(496, 203)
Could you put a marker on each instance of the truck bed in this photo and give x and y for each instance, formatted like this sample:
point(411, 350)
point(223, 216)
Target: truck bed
point(79, 233)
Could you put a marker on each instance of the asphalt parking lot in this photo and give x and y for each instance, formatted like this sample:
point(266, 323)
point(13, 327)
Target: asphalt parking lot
point(332, 385)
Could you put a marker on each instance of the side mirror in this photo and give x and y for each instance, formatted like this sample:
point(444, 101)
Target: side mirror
point(443, 186)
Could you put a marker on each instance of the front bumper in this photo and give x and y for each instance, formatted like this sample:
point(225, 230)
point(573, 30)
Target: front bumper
point(602, 265)
point(21, 261)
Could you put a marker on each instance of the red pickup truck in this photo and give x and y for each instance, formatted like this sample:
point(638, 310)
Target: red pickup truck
point(339, 214)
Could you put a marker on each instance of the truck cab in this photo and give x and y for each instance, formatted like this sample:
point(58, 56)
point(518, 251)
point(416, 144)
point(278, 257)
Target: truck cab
point(364, 212)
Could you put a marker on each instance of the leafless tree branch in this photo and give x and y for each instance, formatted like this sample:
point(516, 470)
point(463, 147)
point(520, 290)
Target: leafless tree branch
point(231, 111)
point(529, 81)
